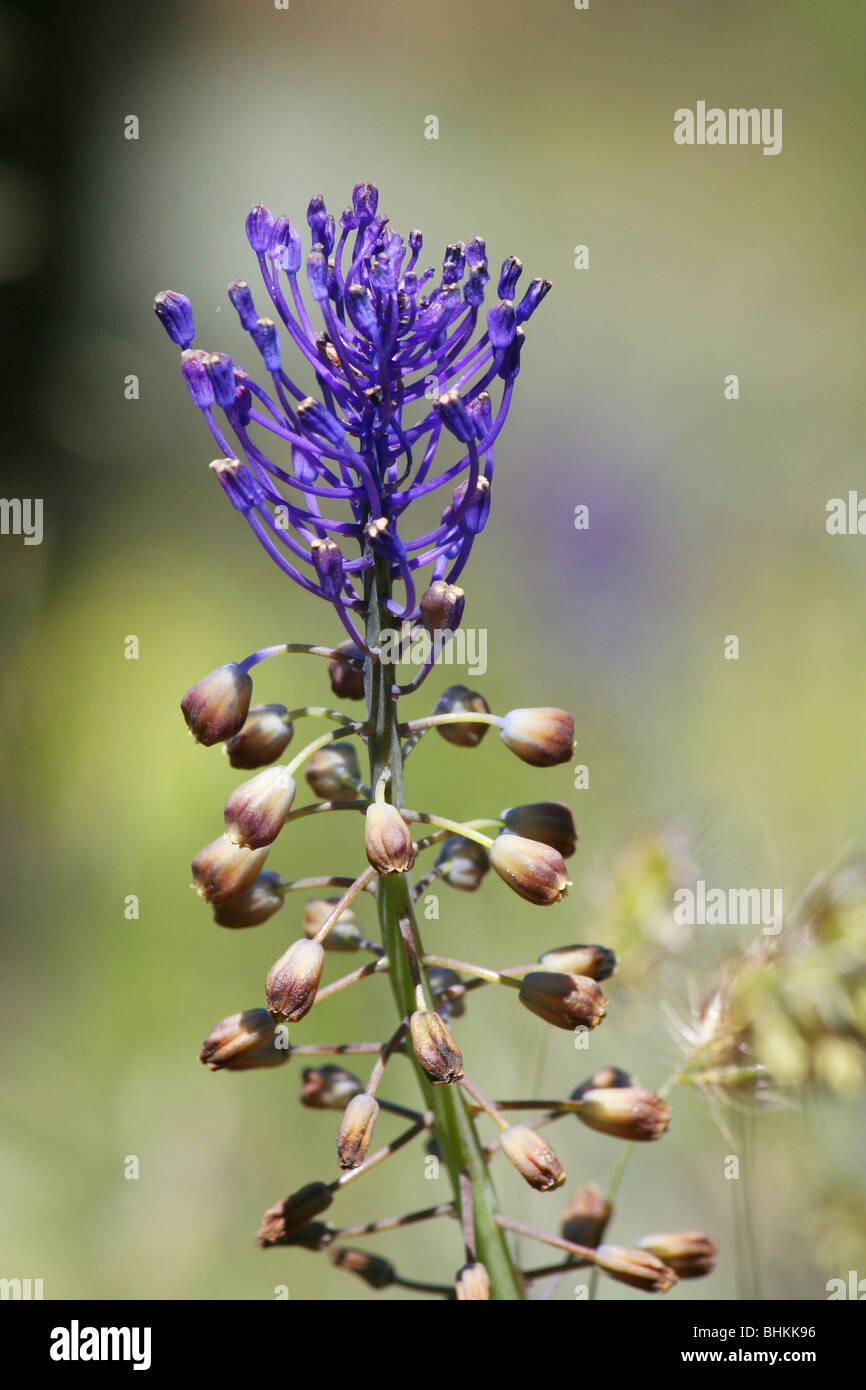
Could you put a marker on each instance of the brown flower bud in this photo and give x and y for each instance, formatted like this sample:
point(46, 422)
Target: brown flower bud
point(254, 906)
point(585, 1218)
point(347, 680)
point(328, 1087)
point(602, 1080)
point(256, 811)
point(543, 737)
point(636, 1267)
point(266, 733)
point(439, 979)
point(462, 863)
point(293, 981)
point(625, 1112)
point(216, 706)
point(356, 1131)
point(316, 1235)
point(222, 870)
point(597, 962)
point(344, 935)
point(533, 1157)
point(287, 1218)
point(387, 840)
point(436, 1050)
point(472, 1282)
point(441, 607)
point(566, 1001)
point(333, 772)
point(245, 1040)
point(375, 1271)
point(548, 821)
point(459, 699)
point(688, 1253)
point(535, 871)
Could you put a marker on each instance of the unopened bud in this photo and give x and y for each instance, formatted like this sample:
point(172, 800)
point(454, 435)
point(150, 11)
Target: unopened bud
point(601, 1080)
point(356, 1131)
point(472, 1282)
point(256, 811)
point(441, 607)
point(542, 737)
point(216, 707)
point(343, 935)
point(598, 962)
point(243, 1041)
point(375, 1271)
point(293, 981)
point(535, 871)
point(441, 979)
point(585, 1218)
point(533, 1157)
point(638, 1268)
point(436, 1050)
point(625, 1112)
point(387, 840)
point(347, 679)
point(254, 906)
point(548, 821)
point(284, 1220)
point(462, 863)
point(566, 1001)
point(459, 699)
point(222, 870)
point(333, 772)
point(265, 734)
point(328, 1087)
point(688, 1253)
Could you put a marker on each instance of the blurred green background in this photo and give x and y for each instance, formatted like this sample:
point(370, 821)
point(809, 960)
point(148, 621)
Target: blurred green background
point(706, 519)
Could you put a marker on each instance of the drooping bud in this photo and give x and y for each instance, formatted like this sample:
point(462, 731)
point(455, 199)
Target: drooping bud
point(174, 312)
point(347, 680)
point(601, 1080)
point(265, 734)
point(533, 1157)
point(534, 870)
point(440, 979)
point(598, 962)
point(356, 1131)
point(472, 1282)
point(284, 1220)
point(441, 607)
point(333, 772)
point(198, 383)
point(254, 906)
point(245, 1040)
point(216, 707)
point(436, 1050)
point(329, 1087)
point(462, 863)
point(222, 870)
point(688, 1253)
point(343, 935)
point(543, 737)
point(259, 227)
point(566, 1001)
point(638, 1268)
point(459, 699)
point(387, 840)
point(585, 1218)
point(625, 1112)
point(293, 980)
point(256, 811)
point(375, 1271)
point(551, 822)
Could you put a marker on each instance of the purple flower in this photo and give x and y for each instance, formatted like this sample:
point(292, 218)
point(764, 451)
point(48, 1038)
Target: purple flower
point(324, 482)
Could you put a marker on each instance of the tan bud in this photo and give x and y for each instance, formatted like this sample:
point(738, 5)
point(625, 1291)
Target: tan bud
point(284, 1220)
point(266, 734)
point(333, 772)
point(356, 1131)
point(625, 1112)
point(440, 979)
point(543, 737)
point(598, 962)
point(343, 935)
point(375, 1271)
point(459, 699)
point(222, 870)
point(256, 811)
point(254, 906)
point(347, 680)
point(533, 1157)
point(436, 1050)
point(387, 840)
point(534, 871)
point(293, 981)
point(441, 607)
point(638, 1268)
point(585, 1218)
point(688, 1253)
point(462, 863)
point(548, 821)
point(566, 1001)
point(328, 1087)
point(245, 1040)
point(216, 706)
point(472, 1283)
